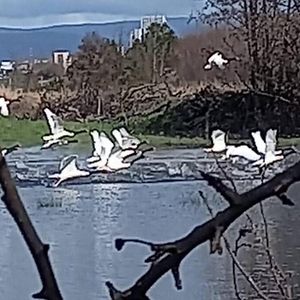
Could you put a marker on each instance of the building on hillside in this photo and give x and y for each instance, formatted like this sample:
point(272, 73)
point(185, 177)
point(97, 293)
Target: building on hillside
point(62, 57)
point(40, 61)
point(23, 67)
point(6, 67)
point(145, 22)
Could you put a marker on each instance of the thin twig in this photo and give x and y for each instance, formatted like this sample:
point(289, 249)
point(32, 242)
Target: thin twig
point(234, 259)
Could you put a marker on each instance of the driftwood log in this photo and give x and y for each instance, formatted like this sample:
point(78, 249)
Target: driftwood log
point(38, 249)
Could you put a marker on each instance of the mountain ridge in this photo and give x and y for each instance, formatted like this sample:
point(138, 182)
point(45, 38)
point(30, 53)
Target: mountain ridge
point(21, 43)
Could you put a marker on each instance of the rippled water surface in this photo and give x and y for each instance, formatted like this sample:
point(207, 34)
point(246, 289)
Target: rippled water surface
point(80, 221)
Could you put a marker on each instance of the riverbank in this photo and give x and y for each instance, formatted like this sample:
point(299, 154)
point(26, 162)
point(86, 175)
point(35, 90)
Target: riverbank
point(28, 133)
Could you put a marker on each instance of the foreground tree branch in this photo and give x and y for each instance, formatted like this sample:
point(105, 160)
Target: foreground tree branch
point(169, 256)
point(39, 251)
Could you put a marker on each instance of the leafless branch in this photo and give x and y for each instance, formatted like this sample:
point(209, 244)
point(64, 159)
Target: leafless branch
point(38, 249)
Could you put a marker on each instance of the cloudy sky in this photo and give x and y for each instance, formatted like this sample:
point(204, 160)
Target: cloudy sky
point(34, 13)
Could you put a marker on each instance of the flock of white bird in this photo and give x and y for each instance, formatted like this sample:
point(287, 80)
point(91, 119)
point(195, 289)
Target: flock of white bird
point(265, 152)
point(107, 156)
point(263, 155)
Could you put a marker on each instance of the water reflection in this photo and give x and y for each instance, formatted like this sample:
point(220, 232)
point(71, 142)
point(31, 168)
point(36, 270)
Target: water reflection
point(81, 222)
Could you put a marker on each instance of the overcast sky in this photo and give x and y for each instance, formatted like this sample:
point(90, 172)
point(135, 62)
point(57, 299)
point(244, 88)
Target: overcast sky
point(34, 13)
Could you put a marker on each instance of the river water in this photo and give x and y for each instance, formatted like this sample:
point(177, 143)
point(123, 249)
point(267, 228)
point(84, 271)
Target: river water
point(156, 201)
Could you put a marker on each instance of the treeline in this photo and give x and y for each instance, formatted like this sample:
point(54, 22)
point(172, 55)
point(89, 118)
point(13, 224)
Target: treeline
point(156, 75)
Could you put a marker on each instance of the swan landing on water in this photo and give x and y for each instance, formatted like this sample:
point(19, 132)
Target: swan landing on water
point(68, 171)
point(266, 153)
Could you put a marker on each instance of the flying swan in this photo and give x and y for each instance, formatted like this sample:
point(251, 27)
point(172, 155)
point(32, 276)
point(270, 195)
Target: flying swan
point(217, 59)
point(4, 103)
point(68, 171)
point(57, 130)
point(126, 140)
point(218, 142)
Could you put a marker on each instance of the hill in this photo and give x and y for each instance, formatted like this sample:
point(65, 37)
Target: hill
point(39, 42)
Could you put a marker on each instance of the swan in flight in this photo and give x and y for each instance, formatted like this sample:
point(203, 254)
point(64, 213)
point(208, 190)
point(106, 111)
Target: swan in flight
point(8, 150)
point(218, 141)
point(102, 149)
point(4, 103)
point(217, 59)
point(242, 151)
point(57, 130)
point(56, 142)
point(68, 171)
point(116, 160)
point(270, 155)
point(126, 140)
point(260, 143)
point(104, 159)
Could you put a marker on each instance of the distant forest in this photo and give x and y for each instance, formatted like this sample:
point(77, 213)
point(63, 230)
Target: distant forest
point(160, 85)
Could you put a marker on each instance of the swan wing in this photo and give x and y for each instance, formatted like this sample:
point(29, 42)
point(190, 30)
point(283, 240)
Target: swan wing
point(271, 140)
point(259, 143)
point(96, 142)
point(55, 123)
point(213, 57)
point(124, 132)
point(106, 146)
point(125, 153)
point(218, 136)
point(66, 161)
point(248, 153)
point(118, 137)
point(4, 110)
point(70, 168)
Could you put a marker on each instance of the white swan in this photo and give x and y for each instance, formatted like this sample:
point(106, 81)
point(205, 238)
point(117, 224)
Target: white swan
point(57, 130)
point(260, 143)
point(217, 59)
point(68, 171)
point(126, 140)
point(4, 103)
point(102, 149)
point(271, 141)
point(218, 141)
point(8, 150)
point(4, 107)
point(242, 151)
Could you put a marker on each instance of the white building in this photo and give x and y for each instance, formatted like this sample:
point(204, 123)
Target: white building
point(146, 21)
point(62, 57)
point(7, 66)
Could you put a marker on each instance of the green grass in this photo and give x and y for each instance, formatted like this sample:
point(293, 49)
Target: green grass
point(28, 133)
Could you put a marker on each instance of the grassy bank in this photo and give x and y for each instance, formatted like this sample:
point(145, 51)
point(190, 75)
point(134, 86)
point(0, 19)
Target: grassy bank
point(28, 133)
